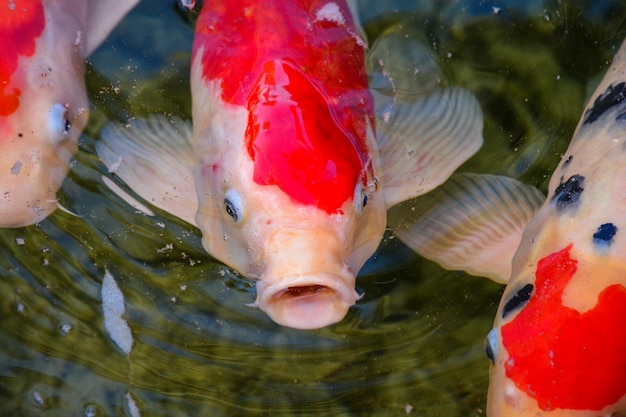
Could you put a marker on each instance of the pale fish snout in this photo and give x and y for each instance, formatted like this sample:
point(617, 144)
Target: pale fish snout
point(306, 283)
point(307, 301)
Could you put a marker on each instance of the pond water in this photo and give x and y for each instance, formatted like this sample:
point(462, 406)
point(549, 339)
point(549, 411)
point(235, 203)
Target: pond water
point(413, 345)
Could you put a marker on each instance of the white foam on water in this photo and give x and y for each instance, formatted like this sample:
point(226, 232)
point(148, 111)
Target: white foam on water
point(113, 309)
point(132, 406)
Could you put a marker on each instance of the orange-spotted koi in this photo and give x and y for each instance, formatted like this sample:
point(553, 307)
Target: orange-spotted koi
point(43, 101)
point(294, 158)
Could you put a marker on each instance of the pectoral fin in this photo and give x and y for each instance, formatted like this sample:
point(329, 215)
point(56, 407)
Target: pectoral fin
point(424, 132)
point(472, 222)
point(154, 157)
point(422, 143)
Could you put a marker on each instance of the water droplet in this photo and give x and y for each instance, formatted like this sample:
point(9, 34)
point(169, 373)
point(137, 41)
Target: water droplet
point(92, 410)
point(65, 328)
point(39, 399)
point(132, 406)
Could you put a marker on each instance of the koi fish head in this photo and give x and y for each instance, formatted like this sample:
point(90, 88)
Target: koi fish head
point(304, 260)
point(281, 171)
point(289, 199)
point(43, 108)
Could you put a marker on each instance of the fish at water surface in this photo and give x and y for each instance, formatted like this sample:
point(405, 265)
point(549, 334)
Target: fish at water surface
point(293, 160)
point(559, 342)
point(43, 100)
point(558, 345)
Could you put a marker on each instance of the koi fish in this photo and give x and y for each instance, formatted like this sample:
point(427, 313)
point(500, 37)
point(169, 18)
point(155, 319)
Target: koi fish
point(43, 100)
point(557, 346)
point(558, 342)
point(293, 160)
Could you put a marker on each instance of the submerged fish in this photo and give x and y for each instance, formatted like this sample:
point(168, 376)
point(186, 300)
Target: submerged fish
point(293, 160)
point(558, 346)
point(43, 101)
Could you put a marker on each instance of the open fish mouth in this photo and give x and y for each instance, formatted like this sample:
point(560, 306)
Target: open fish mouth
point(307, 302)
point(303, 291)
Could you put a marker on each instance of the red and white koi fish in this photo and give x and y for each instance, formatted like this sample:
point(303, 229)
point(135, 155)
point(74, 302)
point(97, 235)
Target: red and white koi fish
point(43, 101)
point(558, 346)
point(292, 162)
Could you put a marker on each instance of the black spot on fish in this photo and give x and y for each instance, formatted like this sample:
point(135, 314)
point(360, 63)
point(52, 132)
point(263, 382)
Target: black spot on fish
point(519, 299)
point(605, 232)
point(568, 192)
point(613, 95)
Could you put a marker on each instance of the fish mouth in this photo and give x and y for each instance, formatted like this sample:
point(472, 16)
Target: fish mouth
point(307, 302)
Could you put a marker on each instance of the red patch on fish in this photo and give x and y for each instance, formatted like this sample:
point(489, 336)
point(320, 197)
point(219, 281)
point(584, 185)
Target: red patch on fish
point(563, 358)
point(21, 23)
point(301, 75)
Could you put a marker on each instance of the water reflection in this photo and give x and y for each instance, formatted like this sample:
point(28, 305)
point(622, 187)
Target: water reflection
point(412, 345)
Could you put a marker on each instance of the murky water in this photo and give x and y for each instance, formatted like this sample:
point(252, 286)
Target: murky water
point(412, 346)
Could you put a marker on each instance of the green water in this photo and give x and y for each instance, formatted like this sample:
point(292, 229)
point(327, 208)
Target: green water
point(411, 346)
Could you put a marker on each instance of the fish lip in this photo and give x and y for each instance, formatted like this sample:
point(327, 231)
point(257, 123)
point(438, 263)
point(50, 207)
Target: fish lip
point(309, 301)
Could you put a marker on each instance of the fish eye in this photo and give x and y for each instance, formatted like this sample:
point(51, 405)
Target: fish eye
point(59, 123)
point(233, 205)
point(491, 345)
point(360, 197)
